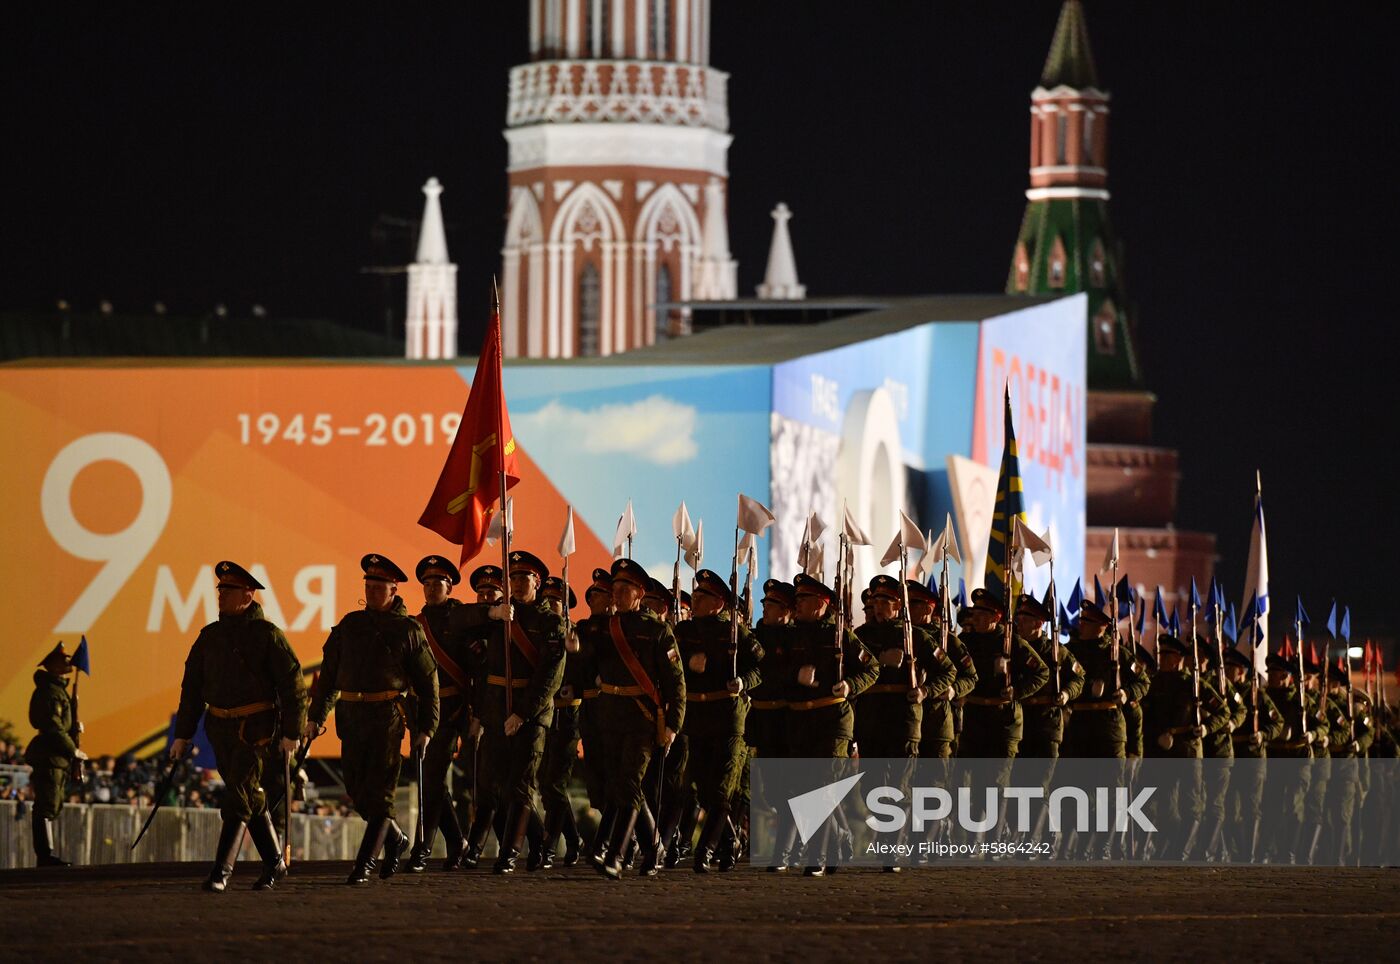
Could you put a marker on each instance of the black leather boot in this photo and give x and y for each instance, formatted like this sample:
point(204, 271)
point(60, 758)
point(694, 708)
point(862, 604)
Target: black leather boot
point(785, 847)
point(452, 835)
point(535, 836)
point(816, 852)
point(365, 860)
point(709, 839)
point(476, 839)
point(395, 841)
point(602, 838)
point(1188, 846)
point(517, 824)
point(230, 837)
point(43, 844)
point(728, 849)
point(553, 829)
point(1312, 847)
point(265, 839)
point(622, 833)
point(648, 844)
point(572, 840)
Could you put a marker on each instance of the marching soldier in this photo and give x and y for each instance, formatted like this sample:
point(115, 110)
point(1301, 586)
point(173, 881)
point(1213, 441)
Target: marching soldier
point(765, 726)
point(1325, 720)
point(1171, 731)
point(523, 675)
point(1351, 739)
point(372, 660)
point(52, 751)
point(716, 676)
point(941, 714)
point(1250, 740)
point(590, 631)
point(641, 708)
point(992, 722)
point(1288, 784)
point(816, 677)
point(561, 745)
point(1096, 728)
point(1218, 745)
point(244, 671)
point(453, 656)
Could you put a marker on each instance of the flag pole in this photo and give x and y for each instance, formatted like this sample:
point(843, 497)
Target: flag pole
point(1195, 655)
point(505, 518)
point(1302, 696)
point(905, 619)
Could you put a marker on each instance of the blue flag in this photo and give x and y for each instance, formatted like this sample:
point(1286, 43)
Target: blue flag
point(1344, 631)
point(1006, 511)
point(1230, 625)
point(1302, 617)
point(1195, 605)
point(1332, 620)
point(1067, 622)
point(1142, 619)
point(80, 657)
point(1099, 598)
point(1175, 626)
point(1159, 611)
point(1123, 592)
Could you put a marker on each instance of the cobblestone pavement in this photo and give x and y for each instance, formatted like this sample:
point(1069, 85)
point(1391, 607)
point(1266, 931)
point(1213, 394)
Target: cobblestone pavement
point(157, 912)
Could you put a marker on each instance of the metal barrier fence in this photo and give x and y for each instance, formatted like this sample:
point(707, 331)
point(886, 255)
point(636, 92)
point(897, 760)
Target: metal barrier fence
point(101, 833)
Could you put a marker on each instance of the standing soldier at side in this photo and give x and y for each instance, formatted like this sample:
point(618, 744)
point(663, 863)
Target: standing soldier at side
point(641, 708)
point(517, 708)
point(1247, 781)
point(716, 677)
point(561, 745)
point(242, 668)
point(370, 662)
point(52, 751)
point(437, 576)
point(1044, 713)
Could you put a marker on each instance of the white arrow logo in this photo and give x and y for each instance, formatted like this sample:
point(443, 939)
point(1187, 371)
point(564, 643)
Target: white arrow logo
point(810, 809)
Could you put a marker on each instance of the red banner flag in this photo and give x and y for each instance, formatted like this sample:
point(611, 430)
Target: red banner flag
point(470, 484)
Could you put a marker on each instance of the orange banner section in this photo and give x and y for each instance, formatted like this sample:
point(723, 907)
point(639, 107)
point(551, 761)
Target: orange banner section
point(125, 485)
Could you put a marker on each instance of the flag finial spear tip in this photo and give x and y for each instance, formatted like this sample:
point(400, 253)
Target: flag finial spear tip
point(495, 294)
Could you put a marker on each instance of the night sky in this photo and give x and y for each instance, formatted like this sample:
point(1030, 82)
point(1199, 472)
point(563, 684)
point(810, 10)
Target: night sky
point(265, 155)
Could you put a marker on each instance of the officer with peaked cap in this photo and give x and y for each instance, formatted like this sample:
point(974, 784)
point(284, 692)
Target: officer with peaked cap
point(486, 582)
point(452, 653)
point(52, 751)
point(642, 708)
point(523, 675)
point(373, 658)
point(561, 745)
point(718, 672)
point(243, 677)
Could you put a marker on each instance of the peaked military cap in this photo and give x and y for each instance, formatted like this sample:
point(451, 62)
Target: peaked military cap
point(656, 589)
point(1233, 657)
point(629, 571)
point(865, 597)
point(1167, 643)
point(780, 592)
point(918, 592)
point(685, 599)
point(381, 569)
point(987, 602)
point(1092, 614)
point(528, 562)
point(887, 586)
point(232, 574)
point(1340, 674)
point(805, 585)
point(1028, 605)
point(436, 567)
point(56, 654)
point(1278, 664)
point(485, 576)
point(553, 587)
point(709, 581)
point(602, 582)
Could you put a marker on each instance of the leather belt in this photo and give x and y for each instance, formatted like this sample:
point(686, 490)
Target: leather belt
point(768, 705)
point(247, 709)
point(1288, 744)
point(621, 690)
point(1095, 705)
point(515, 683)
point(1178, 730)
point(817, 704)
point(710, 697)
point(560, 704)
point(900, 688)
point(987, 700)
point(590, 694)
point(380, 697)
point(1040, 701)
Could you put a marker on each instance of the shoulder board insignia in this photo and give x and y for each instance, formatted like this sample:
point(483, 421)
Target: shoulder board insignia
point(1133, 666)
point(1073, 665)
point(673, 654)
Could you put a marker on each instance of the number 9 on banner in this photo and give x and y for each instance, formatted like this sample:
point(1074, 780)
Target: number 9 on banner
point(121, 551)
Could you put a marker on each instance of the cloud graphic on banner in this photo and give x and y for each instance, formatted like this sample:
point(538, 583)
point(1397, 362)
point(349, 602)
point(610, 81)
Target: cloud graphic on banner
point(655, 429)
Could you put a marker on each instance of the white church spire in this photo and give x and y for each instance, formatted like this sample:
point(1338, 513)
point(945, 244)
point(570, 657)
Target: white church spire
point(431, 325)
point(716, 273)
point(780, 280)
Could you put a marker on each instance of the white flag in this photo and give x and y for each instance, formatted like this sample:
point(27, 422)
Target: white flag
point(814, 565)
point(1256, 585)
point(1110, 561)
point(680, 526)
point(947, 545)
point(1038, 547)
point(753, 515)
point(745, 550)
point(908, 537)
point(566, 541)
point(815, 528)
point(924, 568)
point(500, 523)
point(695, 552)
point(811, 542)
point(626, 528)
point(854, 534)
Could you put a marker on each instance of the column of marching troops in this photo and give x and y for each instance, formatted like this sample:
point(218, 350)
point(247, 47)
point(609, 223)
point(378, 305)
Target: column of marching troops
point(670, 706)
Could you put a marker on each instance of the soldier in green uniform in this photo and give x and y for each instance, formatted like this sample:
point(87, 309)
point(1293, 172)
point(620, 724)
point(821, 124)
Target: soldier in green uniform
point(765, 726)
point(641, 708)
point(992, 718)
point(717, 674)
point(453, 656)
point(589, 631)
point(1262, 724)
point(52, 751)
point(522, 677)
point(1324, 720)
point(373, 658)
point(1218, 745)
point(561, 745)
point(1287, 786)
point(1350, 740)
point(244, 671)
point(1044, 713)
point(1174, 724)
point(940, 722)
point(817, 677)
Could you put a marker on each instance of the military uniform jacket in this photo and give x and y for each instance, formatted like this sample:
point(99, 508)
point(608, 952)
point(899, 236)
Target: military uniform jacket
point(1325, 719)
point(579, 675)
point(241, 659)
point(1219, 742)
point(654, 646)
point(1169, 709)
point(1360, 730)
point(51, 713)
point(370, 651)
point(1290, 741)
point(1028, 672)
point(886, 703)
point(774, 640)
point(534, 684)
point(1043, 713)
point(710, 709)
point(447, 623)
point(814, 644)
point(1099, 715)
point(1270, 722)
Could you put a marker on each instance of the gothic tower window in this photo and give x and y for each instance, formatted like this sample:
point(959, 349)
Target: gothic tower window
point(1062, 138)
point(1022, 267)
point(1056, 270)
point(663, 297)
point(660, 19)
point(1106, 328)
point(1088, 137)
point(1098, 266)
point(590, 310)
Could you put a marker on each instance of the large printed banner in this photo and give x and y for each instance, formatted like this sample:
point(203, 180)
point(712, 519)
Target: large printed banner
point(123, 488)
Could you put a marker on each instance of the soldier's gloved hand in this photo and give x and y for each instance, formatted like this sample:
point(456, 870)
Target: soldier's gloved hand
point(420, 740)
point(1061, 698)
point(697, 662)
point(841, 689)
point(308, 732)
point(1008, 693)
point(474, 729)
point(1256, 739)
point(1096, 688)
point(735, 686)
point(289, 746)
point(1165, 741)
point(1003, 665)
point(807, 676)
point(1355, 748)
point(947, 694)
point(513, 724)
point(668, 737)
point(79, 755)
point(1312, 736)
point(1199, 731)
point(501, 611)
point(1120, 697)
point(916, 695)
point(81, 729)
point(571, 643)
point(178, 748)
